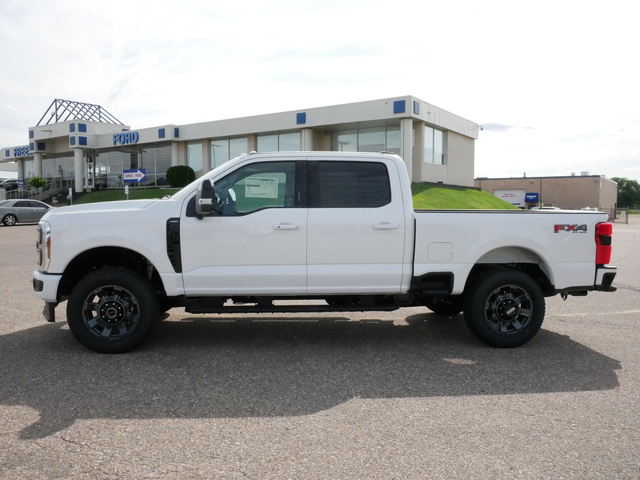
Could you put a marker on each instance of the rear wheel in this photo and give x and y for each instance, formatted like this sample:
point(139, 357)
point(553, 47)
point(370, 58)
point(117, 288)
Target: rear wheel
point(112, 310)
point(10, 220)
point(504, 307)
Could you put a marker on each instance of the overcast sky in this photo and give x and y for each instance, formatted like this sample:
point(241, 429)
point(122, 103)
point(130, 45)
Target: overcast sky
point(553, 83)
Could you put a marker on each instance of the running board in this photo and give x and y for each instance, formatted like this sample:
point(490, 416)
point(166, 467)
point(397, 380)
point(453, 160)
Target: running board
point(289, 308)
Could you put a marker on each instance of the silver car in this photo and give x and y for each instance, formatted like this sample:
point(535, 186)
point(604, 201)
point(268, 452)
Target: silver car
point(21, 211)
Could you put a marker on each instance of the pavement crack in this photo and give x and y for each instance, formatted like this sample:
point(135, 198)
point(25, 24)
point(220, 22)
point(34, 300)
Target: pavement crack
point(73, 442)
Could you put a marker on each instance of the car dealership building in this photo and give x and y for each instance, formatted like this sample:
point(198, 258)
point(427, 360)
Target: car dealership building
point(82, 146)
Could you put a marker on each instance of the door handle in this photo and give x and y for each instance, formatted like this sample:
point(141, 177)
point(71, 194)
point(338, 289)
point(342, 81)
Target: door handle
point(385, 226)
point(286, 226)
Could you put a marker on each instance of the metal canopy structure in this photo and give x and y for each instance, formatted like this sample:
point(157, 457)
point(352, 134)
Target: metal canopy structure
point(64, 110)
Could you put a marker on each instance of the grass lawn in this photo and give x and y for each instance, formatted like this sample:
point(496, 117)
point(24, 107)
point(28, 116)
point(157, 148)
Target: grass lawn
point(134, 194)
point(434, 197)
point(425, 197)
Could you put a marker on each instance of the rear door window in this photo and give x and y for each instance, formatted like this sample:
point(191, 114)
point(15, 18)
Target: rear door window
point(348, 185)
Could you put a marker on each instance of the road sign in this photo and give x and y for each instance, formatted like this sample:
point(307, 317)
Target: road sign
point(21, 182)
point(135, 175)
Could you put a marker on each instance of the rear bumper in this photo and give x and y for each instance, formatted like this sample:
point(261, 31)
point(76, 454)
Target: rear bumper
point(604, 279)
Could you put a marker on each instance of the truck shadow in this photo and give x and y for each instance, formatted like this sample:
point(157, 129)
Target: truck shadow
point(226, 368)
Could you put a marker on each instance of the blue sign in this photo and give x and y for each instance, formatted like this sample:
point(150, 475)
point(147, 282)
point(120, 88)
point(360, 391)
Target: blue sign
point(21, 182)
point(531, 197)
point(136, 175)
point(125, 138)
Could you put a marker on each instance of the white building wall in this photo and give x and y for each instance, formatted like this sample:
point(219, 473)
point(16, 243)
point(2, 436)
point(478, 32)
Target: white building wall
point(314, 124)
point(460, 159)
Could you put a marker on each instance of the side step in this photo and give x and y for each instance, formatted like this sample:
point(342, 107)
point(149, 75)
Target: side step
point(289, 308)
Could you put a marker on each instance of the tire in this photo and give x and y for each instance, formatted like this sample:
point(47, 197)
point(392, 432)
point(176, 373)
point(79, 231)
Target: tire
point(112, 310)
point(504, 308)
point(445, 306)
point(10, 220)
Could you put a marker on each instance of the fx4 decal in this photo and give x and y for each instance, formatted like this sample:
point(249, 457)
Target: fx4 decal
point(570, 228)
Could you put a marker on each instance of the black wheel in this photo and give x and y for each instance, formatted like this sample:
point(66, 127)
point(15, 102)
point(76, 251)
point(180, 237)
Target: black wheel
point(504, 307)
point(112, 310)
point(10, 220)
point(444, 306)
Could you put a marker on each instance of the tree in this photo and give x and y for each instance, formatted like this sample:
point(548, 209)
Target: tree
point(37, 183)
point(628, 192)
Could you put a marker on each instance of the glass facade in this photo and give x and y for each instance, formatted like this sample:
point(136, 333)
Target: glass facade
point(375, 139)
point(110, 163)
point(194, 156)
point(344, 141)
point(156, 160)
point(59, 170)
point(433, 146)
point(28, 169)
point(279, 142)
point(224, 149)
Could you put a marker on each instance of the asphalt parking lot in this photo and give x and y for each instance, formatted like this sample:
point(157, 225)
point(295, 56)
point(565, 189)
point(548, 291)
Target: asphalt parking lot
point(401, 395)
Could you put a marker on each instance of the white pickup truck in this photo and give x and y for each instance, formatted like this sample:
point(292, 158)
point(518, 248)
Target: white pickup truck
point(311, 231)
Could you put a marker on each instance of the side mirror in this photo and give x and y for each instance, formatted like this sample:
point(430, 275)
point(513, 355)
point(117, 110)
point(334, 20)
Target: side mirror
point(205, 199)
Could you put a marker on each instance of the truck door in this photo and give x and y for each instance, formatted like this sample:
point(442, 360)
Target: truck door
point(257, 244)
point(356, 236)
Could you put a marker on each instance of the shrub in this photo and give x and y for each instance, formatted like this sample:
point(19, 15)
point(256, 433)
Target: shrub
point(180, 176)
point(37, 182)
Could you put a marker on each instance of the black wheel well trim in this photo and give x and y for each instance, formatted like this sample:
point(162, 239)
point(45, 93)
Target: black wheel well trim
point(533, 270)
point(107, 257)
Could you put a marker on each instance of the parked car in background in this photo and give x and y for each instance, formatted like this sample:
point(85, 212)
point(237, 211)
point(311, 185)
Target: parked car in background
point(9, 184)
point(22, 211)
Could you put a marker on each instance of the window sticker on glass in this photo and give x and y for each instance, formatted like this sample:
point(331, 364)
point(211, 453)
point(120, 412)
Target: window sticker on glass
point(261, 187)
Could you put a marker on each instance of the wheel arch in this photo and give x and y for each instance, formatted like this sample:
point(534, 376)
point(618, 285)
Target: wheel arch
point(102, 257)
point(519, 258)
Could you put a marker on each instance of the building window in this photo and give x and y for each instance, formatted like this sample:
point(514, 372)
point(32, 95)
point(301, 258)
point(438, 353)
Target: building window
point(194, 156)
point(224, 149)
point(28, 168)
point(394, 139)
point(433, 146)
point(110, 163)
point(344, 141)
point(156, 160)
point(371, 139)
point(375, 139)
point(279, 142)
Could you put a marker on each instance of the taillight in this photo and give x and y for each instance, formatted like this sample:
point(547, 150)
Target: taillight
point(603, 243)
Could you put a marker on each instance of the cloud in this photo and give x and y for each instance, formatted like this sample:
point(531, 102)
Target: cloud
point(500, 127)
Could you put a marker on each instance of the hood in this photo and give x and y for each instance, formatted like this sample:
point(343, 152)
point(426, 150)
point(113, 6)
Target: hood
point(102, 207)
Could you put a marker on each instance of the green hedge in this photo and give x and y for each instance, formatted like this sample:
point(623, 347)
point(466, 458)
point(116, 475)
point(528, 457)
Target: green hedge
point(180, 176)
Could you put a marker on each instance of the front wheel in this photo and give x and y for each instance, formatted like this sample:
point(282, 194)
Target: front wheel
point(10, 220)
point(504, 307)
point(112, 310)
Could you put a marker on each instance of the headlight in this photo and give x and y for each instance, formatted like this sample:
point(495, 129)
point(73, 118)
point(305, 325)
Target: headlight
point(43, 246)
